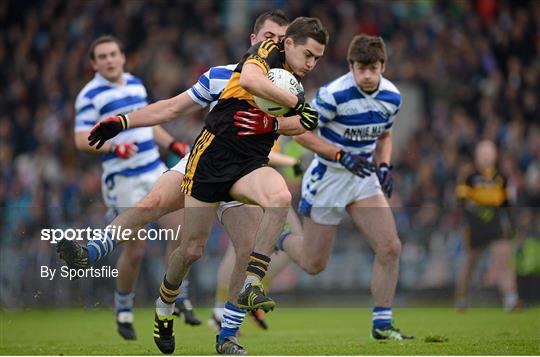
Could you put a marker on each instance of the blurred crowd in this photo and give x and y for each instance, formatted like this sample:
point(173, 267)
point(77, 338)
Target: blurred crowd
point(475, 63)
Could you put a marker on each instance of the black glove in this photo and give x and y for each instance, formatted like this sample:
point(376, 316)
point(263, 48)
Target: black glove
point(384, 173)
point(106, 129)
point(309, 118)
point(355, 163)
point(299, 107)
point(297, 169)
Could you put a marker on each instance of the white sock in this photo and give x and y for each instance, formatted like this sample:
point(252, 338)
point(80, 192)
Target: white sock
point(164, 309)
point(251, 279)
point(510, 300)
point(218, 312)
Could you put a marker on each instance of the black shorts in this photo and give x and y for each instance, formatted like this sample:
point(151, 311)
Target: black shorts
point(214, 165)
point(480, 233)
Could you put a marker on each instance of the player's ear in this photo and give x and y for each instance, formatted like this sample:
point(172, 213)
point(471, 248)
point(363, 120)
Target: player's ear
point(93, 64)
point(383, 67)
point(289, 42)
point(253, 39)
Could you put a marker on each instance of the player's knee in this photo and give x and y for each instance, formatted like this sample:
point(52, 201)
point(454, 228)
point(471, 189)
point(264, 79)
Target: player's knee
point(390, 251)
point(278, 198)
point(315, 266)
point(194, 251)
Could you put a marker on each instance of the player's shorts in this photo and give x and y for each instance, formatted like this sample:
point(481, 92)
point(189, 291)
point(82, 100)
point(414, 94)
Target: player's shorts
point(121, 191)
point(223, 206)
point(214, 165)
point(328, 190)
point(480, 233)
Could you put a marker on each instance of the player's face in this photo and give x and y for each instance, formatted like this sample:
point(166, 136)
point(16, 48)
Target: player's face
point(109, 61)
point(303, 58)
point(367, 76)
point(269, 29)
point(485, 154)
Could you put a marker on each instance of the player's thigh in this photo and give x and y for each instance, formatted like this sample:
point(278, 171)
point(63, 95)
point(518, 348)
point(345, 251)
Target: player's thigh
point(318, 240)
point(198, 218)
point(373, 217)
point(172, 224)
point(242, 223)
point(165, 193)
point(264, 187)
point(501, 251)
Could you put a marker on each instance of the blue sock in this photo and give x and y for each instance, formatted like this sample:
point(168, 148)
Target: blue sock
point(123, 302)
point(98, 249)
point(281, 239)
point(382, 317)
point(233, 316)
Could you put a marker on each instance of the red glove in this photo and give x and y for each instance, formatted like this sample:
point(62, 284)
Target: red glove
point(124, 151)
point(179, 148)
point(255, 121)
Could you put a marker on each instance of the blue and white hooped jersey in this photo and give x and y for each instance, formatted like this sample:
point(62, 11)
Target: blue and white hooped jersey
point(352, 119)
point(100, 99)
point(210, 85)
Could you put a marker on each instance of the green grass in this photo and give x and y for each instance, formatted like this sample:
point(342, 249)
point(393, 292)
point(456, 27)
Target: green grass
point(301, 331)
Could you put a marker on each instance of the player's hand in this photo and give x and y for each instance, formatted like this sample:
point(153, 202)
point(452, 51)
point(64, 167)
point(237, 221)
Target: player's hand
point(298, 170)
point(384, 173)
point(179, 148)
point(106, 129)
point(309, 118)
point(355, 163)
point(299, 107)
point(255, 122)
point(124, 151)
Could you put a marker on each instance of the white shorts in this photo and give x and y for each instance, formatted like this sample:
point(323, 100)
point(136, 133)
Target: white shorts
point(121, 192)
point(223, 206)
point(328, 190)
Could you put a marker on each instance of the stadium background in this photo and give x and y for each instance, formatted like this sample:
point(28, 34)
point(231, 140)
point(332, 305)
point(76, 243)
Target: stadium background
point(467, 70)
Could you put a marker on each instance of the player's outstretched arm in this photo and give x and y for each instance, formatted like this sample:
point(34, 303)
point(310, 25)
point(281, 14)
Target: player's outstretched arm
point(153, 114)
point(356, 163)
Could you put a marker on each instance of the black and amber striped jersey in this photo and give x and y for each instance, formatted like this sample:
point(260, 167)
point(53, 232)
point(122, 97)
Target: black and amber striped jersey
point(484, 194)
point(486, 188)
point(220, 121)
point(266, 55)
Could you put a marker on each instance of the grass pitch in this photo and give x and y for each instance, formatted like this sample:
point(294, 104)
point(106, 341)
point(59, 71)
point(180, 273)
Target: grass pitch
point(300, 331)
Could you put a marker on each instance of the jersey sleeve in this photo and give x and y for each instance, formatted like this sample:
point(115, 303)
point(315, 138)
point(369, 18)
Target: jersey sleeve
point(265, 55)
point(200, 92)
point(392, 118)
point(325, 104)
point(463, 187)
point(86, 115)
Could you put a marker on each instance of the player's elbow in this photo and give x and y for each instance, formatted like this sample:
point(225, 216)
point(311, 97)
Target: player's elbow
point(248, 81)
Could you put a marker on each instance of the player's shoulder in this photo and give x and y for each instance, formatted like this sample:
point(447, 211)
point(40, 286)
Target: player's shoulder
point(92, 88)
point(132, 79)
point(388, 92)
point(338, 89)
point(221, 72)
point(387, 85)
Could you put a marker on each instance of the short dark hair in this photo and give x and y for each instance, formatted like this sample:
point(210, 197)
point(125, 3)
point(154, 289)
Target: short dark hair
point(277, 16)
point(366, 49)
point(103, 39)
point(303, 28)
